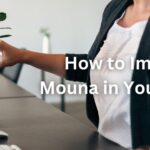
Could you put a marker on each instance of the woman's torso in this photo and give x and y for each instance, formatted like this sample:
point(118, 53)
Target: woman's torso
point(114, 109)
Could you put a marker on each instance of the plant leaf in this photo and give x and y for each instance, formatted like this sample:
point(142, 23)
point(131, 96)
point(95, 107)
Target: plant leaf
point(3, 16)
point(5, 28)
point(4, 36)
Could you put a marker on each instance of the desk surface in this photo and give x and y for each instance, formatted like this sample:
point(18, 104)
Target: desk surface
point(35, 125)
point(8, 89)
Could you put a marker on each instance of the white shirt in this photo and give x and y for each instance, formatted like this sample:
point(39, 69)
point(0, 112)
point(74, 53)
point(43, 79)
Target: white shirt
point(114, 110)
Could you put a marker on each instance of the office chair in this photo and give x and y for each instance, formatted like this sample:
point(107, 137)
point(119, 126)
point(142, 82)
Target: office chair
point(12, 72)
point(63, 100)
point(1, 70)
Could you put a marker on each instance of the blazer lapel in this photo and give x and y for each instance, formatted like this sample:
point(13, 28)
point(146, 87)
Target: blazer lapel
point(139, 119)
point(144, 48)
point(115, 14)
point(143, 53)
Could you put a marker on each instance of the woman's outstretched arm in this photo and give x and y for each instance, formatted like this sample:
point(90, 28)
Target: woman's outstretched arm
point(54, 63)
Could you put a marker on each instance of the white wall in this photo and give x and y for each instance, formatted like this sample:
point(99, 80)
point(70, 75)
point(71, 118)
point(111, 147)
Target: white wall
point(73, 25)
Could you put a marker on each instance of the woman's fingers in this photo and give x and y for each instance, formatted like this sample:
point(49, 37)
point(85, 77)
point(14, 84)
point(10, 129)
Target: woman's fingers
point(1, 59)
point(9, 55)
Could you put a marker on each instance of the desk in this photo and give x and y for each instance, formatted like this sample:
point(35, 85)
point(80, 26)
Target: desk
point(8, 89)
point(34, 125)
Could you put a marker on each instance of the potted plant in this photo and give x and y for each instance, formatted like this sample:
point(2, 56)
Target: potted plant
point(3, 17)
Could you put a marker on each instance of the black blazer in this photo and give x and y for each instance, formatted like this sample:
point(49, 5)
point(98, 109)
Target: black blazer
point(140, 104)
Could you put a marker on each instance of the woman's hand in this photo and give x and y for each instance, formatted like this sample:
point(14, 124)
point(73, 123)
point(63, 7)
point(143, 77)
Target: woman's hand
point(9, 55)
point(54, 63)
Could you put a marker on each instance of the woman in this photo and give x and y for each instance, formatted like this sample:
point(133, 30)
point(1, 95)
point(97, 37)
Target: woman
point(124, 33)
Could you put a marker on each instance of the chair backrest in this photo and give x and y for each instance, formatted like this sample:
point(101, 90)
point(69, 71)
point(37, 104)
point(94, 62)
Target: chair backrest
point(1, 70)
point(12, 72)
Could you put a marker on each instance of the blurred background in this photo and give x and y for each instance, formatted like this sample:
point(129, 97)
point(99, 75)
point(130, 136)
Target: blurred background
point(72, 24)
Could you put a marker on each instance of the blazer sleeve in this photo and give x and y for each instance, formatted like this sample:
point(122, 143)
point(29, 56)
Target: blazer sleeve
point(78, 74)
